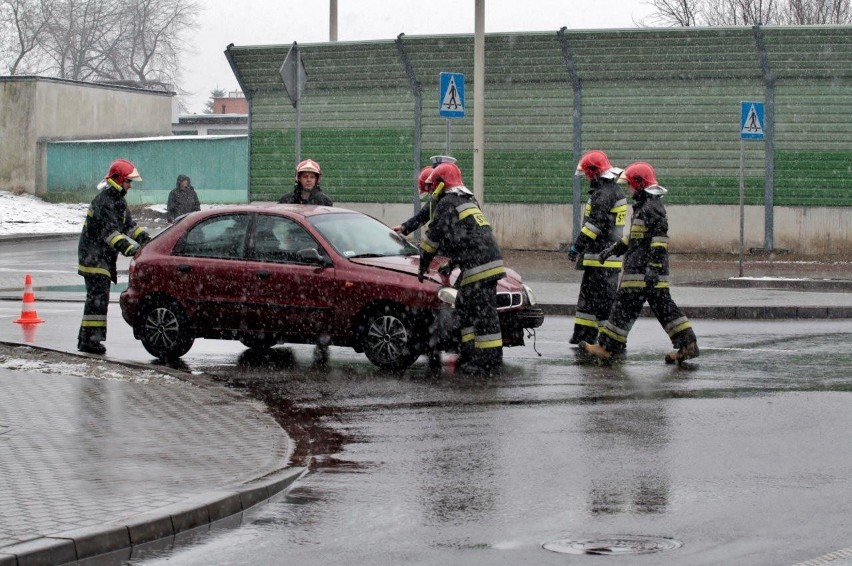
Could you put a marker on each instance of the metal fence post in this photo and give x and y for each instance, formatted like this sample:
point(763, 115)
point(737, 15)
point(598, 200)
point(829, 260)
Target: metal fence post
point(577, 130)
point(417, 91)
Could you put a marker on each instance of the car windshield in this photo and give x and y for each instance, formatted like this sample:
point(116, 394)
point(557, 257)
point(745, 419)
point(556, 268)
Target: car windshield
point(357, 235)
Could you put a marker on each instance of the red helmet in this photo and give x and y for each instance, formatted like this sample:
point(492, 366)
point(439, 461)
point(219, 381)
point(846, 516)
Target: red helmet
point(447, 173)
point(596, 164)
point(423, 185)
point(122, 170)
point(310, 166)
point(641, 177)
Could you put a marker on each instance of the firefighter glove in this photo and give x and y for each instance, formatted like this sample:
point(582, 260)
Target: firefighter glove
point(606, 252)
point(420, 276)
point(652, 277)
point(573, 253)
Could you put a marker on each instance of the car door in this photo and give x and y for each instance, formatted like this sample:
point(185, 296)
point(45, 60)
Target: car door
point(287, 294)
point(210, 271)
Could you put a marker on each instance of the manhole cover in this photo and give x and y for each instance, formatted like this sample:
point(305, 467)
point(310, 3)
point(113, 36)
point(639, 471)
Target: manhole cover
point(617, 545)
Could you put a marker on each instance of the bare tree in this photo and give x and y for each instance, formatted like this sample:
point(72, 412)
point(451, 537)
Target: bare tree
point(683, 13)
point(26, 24)
point(135, 42)
point(740, 12)
point(810, 12)
point(677, 13)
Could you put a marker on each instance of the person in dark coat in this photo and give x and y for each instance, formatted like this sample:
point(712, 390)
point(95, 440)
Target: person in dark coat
point(461, 232)
point(182, 199)
point(646, 274)
point(603, 224)
point(109, 230)
point(306, 189)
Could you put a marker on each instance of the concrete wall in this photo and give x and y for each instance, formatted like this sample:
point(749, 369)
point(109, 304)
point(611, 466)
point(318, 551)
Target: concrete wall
point(36, 109)
point(822, 231)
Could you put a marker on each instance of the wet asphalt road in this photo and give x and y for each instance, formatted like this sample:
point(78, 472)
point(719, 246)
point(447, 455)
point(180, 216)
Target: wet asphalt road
point(743, 458)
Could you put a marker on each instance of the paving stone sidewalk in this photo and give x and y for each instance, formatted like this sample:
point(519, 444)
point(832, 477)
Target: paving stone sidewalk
point(100, 457)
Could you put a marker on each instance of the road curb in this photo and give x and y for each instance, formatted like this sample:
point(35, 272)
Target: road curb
point(729, 312)
point(123, 536)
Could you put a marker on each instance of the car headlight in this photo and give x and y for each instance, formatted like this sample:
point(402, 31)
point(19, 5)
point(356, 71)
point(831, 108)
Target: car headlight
point(448, 295)
point(530, 295)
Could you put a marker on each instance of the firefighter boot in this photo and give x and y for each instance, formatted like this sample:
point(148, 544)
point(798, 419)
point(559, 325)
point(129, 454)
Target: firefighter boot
point(683, 353)
point(91, 347)
point(596, 350)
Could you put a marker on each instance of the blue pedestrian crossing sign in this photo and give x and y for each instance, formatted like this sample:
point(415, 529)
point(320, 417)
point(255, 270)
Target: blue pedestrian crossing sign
point(751, 121)
point(452, 95)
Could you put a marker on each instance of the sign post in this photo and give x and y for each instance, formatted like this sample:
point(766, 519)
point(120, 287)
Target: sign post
point(451, 99)
point(751, 128)
point(294, 76)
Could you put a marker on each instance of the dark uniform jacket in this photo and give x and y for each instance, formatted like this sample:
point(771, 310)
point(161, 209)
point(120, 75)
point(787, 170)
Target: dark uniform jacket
point(422, 217)
point(108, 230)
point(317, 197)
point(460, 232)
point(181, 201)
point(603, 223)
point(648, 244)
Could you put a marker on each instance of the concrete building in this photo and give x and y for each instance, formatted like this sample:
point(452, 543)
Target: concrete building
point(36, 110)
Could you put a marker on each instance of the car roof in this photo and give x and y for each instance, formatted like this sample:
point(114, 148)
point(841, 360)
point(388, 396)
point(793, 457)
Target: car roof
point(304, 210)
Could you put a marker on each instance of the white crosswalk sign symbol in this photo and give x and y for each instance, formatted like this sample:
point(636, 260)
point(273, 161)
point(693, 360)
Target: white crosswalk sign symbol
point(751, 121)
point(452, 95)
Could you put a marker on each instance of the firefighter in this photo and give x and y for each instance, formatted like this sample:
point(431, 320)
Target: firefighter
point(460, 232)
point(108, 230)
point(646, 274)
point(306, 189)
point(424, 188)
point(603, 224)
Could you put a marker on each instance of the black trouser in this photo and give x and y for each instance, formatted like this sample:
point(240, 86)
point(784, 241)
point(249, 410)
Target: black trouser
point(481, 348)
point(626, 309)
point(93, 328)
point(597, 292)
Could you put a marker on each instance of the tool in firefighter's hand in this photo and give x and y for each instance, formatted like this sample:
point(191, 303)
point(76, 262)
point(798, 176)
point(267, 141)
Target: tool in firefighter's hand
point(573, 253)
point(420, 276)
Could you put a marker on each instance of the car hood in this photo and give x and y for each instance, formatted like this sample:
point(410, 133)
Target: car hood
point(411, 264)
point(402, 263)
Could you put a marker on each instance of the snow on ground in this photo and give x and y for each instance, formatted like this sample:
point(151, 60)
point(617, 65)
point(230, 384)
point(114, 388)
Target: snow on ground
point(27, 214)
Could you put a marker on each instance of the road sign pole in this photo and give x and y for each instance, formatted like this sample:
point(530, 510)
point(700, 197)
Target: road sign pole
point(742, 202)
point(448, 138)
point(298, 148)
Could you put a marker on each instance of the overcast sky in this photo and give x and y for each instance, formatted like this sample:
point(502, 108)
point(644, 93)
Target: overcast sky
point(281, 22)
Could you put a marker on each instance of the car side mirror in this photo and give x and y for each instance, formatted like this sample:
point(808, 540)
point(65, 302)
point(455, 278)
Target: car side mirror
point(311, 255)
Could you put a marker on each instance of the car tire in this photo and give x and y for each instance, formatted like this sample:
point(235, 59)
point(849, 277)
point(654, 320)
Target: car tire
point(259, 341)
point(387, 336)
point(163, 329)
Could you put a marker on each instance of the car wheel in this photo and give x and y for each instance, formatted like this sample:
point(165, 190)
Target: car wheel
point(164, 331)
point(259, 341)
point(387, 336)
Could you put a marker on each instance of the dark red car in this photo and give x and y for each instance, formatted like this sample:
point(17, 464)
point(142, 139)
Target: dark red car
point(300, 274)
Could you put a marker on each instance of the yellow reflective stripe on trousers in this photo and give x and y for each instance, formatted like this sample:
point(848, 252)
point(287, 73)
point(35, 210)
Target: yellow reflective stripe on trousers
point(467, 334)
point(680, 328)
point(94, 270)
point(489, 341)
point(613, 335)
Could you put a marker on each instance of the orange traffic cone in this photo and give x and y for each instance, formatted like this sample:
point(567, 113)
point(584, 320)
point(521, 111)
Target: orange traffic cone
point(28, 311)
